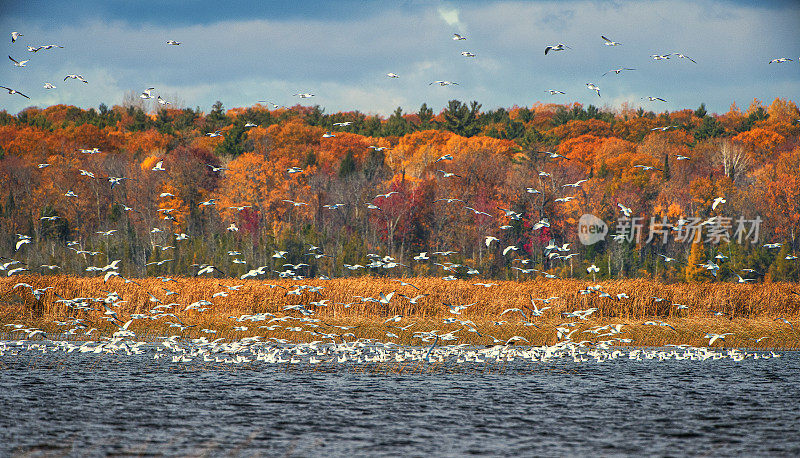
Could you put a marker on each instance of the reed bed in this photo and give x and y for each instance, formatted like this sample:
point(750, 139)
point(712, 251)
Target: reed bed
point(750, 309)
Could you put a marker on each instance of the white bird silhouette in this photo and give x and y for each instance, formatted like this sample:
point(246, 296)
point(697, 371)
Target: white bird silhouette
point(14, 91)
point(146, 94)
point(386, 298)
point(15, 36)
point(617, 70)
point(681, 56)
point(609, 42)
point(39, 48)
point(76, 77)
point(593, 88)
point(509, 248)
point(714, 337)
point(173, 42)
point(455, 37)
point(18, 63)
point(295, 204)
point(574, 185)
point(557, 47)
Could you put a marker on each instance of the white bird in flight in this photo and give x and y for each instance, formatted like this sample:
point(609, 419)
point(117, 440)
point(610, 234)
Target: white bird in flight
point(173, 42)
point(455, 37)
point(780, 60)
point(49, 86)
point(392, 75)
point(714, 337)
point(593, 88)
point(14, 91)
point(554, 92)
point(20, 63)
point(617, 70)
point(45, 47)
point(509, 248)
point(681, 56)
point(14, 36)
point(558, 47)
point(574, 185)
point(609, 42)
point(467, 54)
point(76, 77)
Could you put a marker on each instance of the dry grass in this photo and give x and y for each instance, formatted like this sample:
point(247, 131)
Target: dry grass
point(751, 308)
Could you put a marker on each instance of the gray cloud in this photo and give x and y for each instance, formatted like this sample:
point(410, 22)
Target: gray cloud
point(344, 61)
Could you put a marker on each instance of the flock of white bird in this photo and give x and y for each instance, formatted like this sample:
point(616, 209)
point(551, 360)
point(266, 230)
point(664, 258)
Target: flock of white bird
point(252, 351)
point(304, 95)
point(335, 343)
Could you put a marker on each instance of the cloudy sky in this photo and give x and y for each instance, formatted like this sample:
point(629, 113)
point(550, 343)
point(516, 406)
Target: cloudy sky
point(342, 50)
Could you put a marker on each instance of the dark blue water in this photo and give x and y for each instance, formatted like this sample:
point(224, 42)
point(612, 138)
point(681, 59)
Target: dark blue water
point(101, 405)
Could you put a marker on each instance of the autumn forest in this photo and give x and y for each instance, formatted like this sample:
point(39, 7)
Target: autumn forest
point(350, 194)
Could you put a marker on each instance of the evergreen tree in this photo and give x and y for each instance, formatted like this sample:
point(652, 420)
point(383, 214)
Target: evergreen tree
point(317, 117)
point(783, 269)
point(709, 129)
point(701, 112)
point(140, 119)
point(460, 118)
point(397, 125)
point(425, 116)
point(232, 143)
point(216, 118)
point(348, 165)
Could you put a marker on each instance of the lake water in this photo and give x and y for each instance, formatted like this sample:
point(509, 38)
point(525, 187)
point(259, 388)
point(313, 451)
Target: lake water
point(93, 405)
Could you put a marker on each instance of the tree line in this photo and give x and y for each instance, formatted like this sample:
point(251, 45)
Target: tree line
point(146, 187)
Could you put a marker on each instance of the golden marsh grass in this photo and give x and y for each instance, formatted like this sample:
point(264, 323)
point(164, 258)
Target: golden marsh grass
point(749, 310)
